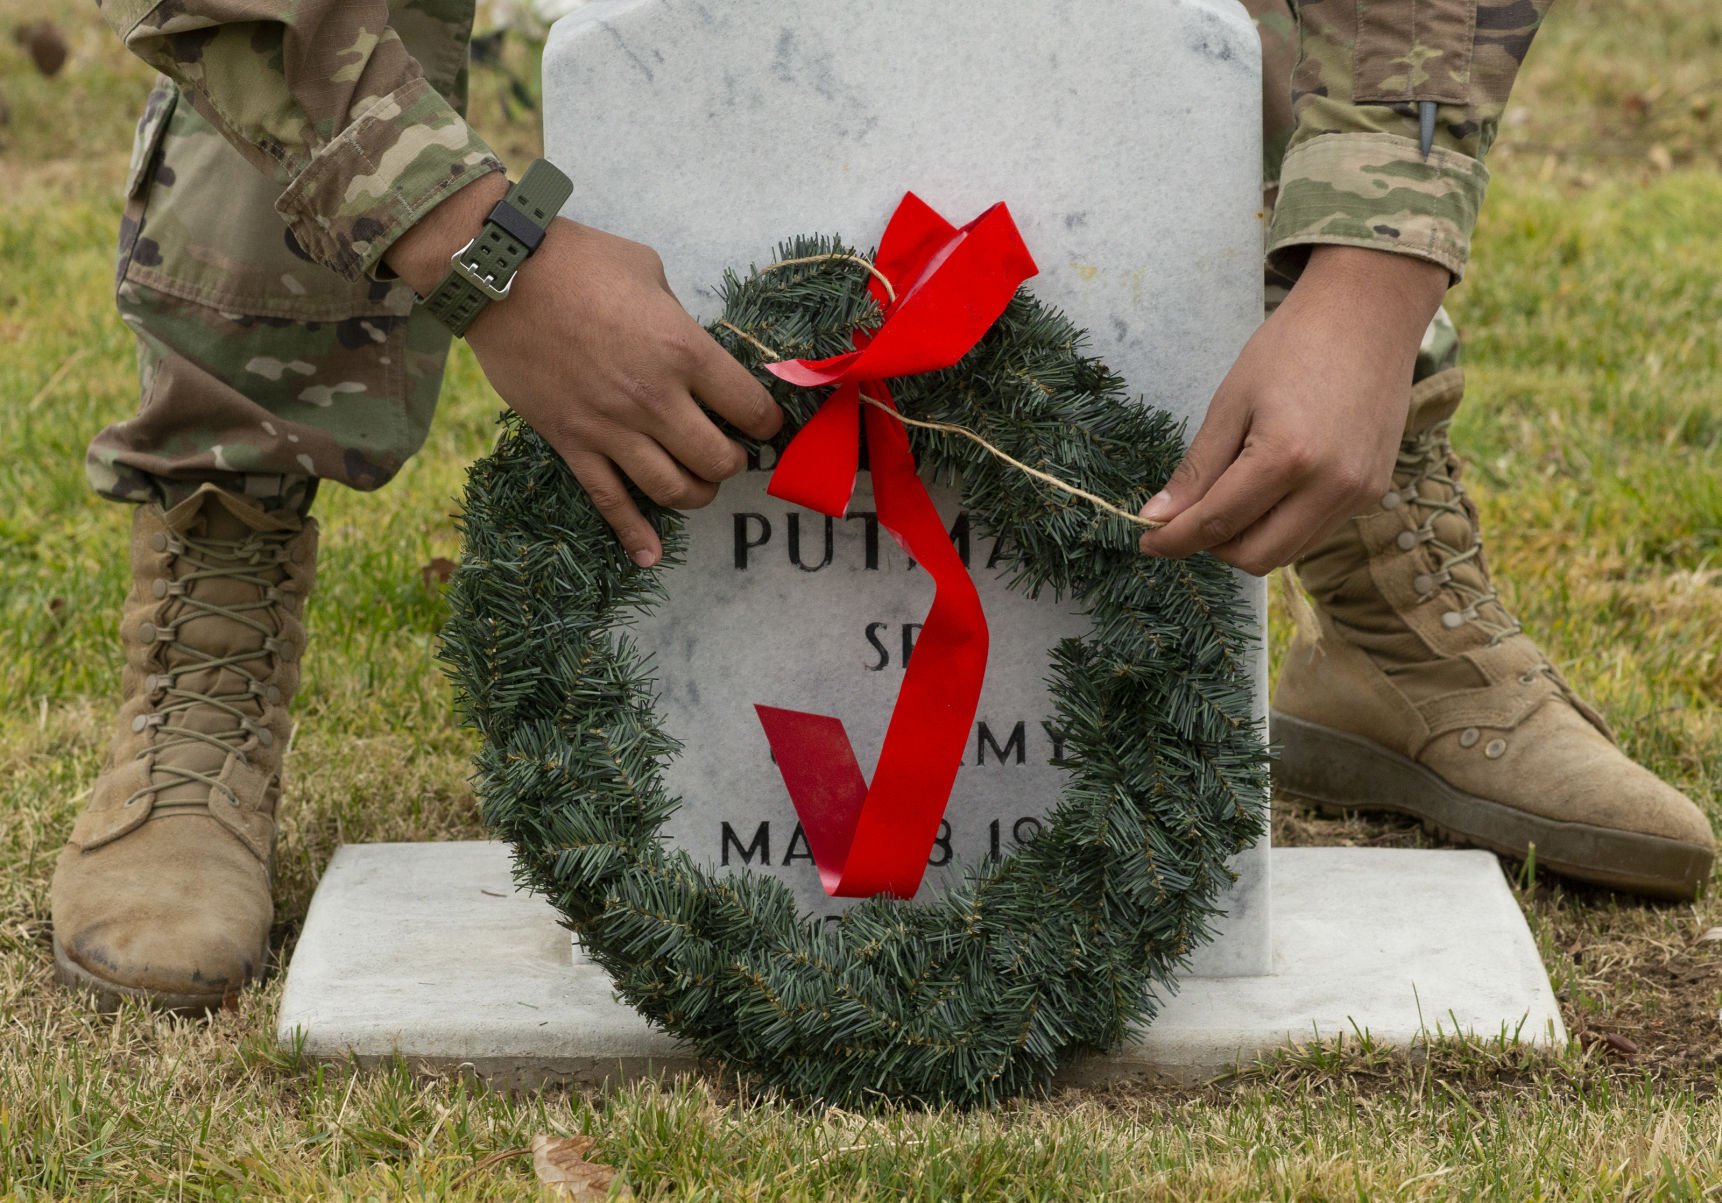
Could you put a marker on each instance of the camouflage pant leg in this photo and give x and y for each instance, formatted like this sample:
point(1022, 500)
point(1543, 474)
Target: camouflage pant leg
point(1276, 22)
point(260, 369)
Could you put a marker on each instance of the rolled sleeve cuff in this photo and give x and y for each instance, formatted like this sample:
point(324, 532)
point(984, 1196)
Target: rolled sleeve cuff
point(397, 161)
point(1376, 191)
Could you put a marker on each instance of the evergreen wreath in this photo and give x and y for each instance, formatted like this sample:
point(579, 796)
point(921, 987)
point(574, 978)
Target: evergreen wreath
point(984, 992)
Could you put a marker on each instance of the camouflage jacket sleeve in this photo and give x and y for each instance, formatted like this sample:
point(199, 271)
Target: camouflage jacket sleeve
point(1355, 173)
point(323, 96)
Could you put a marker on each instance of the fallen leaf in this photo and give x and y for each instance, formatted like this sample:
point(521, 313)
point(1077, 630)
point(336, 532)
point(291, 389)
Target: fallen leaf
point(1713, 936)
point(45, 44)
point(1614, 1042)
point(561, 1165)
point(437, 572)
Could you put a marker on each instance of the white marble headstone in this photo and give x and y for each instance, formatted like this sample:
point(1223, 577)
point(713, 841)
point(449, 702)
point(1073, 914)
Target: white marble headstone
point(1124, 135)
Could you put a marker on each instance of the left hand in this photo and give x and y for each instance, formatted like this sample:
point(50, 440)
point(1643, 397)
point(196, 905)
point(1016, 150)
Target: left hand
point(1304, 430)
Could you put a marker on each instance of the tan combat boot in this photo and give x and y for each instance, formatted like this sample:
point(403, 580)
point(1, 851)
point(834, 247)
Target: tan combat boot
point(1420, 694)
point(163, 892)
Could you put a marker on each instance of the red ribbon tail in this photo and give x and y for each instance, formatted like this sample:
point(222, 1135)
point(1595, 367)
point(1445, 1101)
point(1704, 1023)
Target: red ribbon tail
point(869, 840)
point(952, 285)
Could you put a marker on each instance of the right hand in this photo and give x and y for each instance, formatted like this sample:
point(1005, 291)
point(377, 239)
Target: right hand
point(595, 352)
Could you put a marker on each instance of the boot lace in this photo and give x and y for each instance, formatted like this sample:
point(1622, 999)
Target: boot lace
point(1427, 458)
point(255, 560)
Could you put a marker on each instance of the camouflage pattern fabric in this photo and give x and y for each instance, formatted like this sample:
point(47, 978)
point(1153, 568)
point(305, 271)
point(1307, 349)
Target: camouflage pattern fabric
point(1354, 173)
point(351, 107)
point(295, 139)
point(1277, 24)
point(263, 366)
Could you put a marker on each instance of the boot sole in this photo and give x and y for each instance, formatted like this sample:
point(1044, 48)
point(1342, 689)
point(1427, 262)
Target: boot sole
point(1339, 772)
point(110, 996)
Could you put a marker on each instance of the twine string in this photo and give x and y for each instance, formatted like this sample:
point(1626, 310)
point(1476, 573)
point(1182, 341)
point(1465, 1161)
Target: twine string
point(1097, 502)
point(947, 428)
point(872, 269)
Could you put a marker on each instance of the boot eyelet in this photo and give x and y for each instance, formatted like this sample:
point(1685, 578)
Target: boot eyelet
point(265, 737)
point(1424, 584)
point(1407, 540)
point(1453, 619)
point(157, 542)
point(273, 694)
point(140, 724)
point(1469, 738)
point(1392, 501)
point(1497, 748)
point(159, 588)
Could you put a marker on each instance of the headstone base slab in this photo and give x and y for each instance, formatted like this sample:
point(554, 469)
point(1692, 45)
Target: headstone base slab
point(427, 952)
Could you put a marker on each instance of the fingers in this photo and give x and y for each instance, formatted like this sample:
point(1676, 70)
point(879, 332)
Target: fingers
point(1282, 536)
point(609, 493)
point(684, 430)
point(666, 412)
point(1264, 512)
point(661, 478)
point(1213, 449)
point(1248, 489)
point(729, 389)
point(655, 474)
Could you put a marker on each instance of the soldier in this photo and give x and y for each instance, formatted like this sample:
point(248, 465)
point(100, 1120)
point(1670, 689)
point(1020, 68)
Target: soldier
point(303, 174)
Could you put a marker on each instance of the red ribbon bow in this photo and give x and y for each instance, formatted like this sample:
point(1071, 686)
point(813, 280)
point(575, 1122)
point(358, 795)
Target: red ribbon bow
point(953, 285)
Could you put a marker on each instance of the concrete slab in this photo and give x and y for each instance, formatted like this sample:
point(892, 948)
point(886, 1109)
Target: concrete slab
point(426, 951)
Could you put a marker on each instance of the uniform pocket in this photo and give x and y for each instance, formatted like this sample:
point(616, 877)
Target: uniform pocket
point(146, 159)
point(207, 232)
point(1414, 50)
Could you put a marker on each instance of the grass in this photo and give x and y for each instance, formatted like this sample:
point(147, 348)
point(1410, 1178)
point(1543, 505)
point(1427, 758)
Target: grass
point(1592, 311)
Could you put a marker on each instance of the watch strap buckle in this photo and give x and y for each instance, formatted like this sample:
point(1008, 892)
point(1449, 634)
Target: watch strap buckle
point(477, 276)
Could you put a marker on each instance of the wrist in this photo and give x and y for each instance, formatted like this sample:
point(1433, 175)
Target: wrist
point(1391, 291)
point(421, 255)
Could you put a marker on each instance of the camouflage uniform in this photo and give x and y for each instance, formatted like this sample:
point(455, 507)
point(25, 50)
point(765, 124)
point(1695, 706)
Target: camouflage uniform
point(293, 140)
point(288, 146)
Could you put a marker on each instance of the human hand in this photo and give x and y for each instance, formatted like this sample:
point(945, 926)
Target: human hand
point(1304, 430)
point(595, 352)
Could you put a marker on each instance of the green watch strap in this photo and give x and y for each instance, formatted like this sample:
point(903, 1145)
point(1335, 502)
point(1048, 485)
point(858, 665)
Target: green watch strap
point(483, 270)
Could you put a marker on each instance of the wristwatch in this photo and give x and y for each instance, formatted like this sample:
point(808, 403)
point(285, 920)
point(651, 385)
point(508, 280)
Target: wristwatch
point(483, 270)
